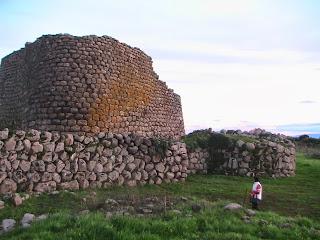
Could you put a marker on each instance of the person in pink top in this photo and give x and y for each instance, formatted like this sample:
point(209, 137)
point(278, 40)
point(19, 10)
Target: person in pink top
point(256, 193)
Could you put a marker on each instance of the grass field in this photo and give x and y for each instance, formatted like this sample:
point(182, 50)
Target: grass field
point(290, 210)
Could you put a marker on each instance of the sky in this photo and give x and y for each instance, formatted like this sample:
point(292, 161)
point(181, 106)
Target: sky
point(237, 64)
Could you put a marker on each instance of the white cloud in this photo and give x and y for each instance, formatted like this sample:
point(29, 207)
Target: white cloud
point(265, 95)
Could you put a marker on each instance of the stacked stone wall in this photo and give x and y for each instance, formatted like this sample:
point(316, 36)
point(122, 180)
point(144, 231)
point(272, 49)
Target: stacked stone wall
point(42, 161)
point(198, 159)
point(45, 161)
point(261, 154)
point(260, 158)
point(86, 85)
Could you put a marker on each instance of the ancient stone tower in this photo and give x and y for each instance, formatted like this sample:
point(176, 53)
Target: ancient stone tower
point(86, 84)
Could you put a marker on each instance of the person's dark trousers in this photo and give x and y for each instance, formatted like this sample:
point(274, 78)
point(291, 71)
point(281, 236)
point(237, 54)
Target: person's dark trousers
point(255, 204)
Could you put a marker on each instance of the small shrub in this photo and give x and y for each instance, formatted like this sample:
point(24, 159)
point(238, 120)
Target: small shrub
point(197, 139)
point(211, 141)
point(161, 146)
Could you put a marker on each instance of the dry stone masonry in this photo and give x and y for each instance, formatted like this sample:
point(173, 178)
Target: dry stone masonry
point(198, 159)
point(257, 152)
point(45, 161)
point(86, 84)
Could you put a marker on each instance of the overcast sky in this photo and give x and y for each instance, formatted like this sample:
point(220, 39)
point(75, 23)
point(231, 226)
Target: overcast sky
point(237, 64)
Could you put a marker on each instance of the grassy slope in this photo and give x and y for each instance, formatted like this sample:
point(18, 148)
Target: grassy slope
point(299, 195)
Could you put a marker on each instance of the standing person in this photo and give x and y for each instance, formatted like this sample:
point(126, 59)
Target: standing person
point(256, 193)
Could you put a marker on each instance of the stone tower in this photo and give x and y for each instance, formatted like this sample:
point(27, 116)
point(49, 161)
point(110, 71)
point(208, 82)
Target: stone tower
point(86, 84)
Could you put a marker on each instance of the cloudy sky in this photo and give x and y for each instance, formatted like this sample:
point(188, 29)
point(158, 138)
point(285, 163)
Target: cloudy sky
point(237, 64)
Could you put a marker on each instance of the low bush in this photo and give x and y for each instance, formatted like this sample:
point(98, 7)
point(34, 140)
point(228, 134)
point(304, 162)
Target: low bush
point(213, 142)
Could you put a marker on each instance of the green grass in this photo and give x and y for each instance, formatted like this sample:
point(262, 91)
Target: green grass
point(293, 200)
point(212, 223)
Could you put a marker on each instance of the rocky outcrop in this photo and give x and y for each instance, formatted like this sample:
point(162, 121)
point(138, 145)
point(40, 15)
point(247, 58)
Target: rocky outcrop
point(86, 84)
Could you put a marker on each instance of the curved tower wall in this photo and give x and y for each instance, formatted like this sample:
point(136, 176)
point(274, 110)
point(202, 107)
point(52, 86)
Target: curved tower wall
point(86, 84)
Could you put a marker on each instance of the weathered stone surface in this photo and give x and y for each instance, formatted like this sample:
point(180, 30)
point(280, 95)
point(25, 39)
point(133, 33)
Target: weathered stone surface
point(69, 140)
point(36, 147)
point(8, 224)
point(232, 206)
point(136, 176)
point(131, 167)
point(10, 145)
point(149, 167)
point(170, 175)
point(113, 175)
point(56, 177)
point(33, 135)
point(102, 177)
point(72, 185)
point(59, 147)
point(46, 186)
point(160, 167)
point(133, 150)
point(27, 145)
point(27, 218)
point(4, 134)
point(39, 166)
point(91, 165)
point(17, 200)
point(34, 177)
point(66, 175)
point(19, 146)
point(60, 166)
point(82, 165)
point(45, 137)
point(49, 147)
point(3, 175)
point(83, 183)
point(108, 167)
point(8, 186)
point(51, 168)
point(46, 177)
point(98, 168)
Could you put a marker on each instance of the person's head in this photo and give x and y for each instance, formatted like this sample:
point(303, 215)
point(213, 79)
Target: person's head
point(256, 179)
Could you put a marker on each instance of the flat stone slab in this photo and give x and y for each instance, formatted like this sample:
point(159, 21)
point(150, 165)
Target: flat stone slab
point(232, 206)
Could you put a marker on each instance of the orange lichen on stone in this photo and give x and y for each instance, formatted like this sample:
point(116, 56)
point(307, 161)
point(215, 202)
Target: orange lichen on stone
point(87, 84)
